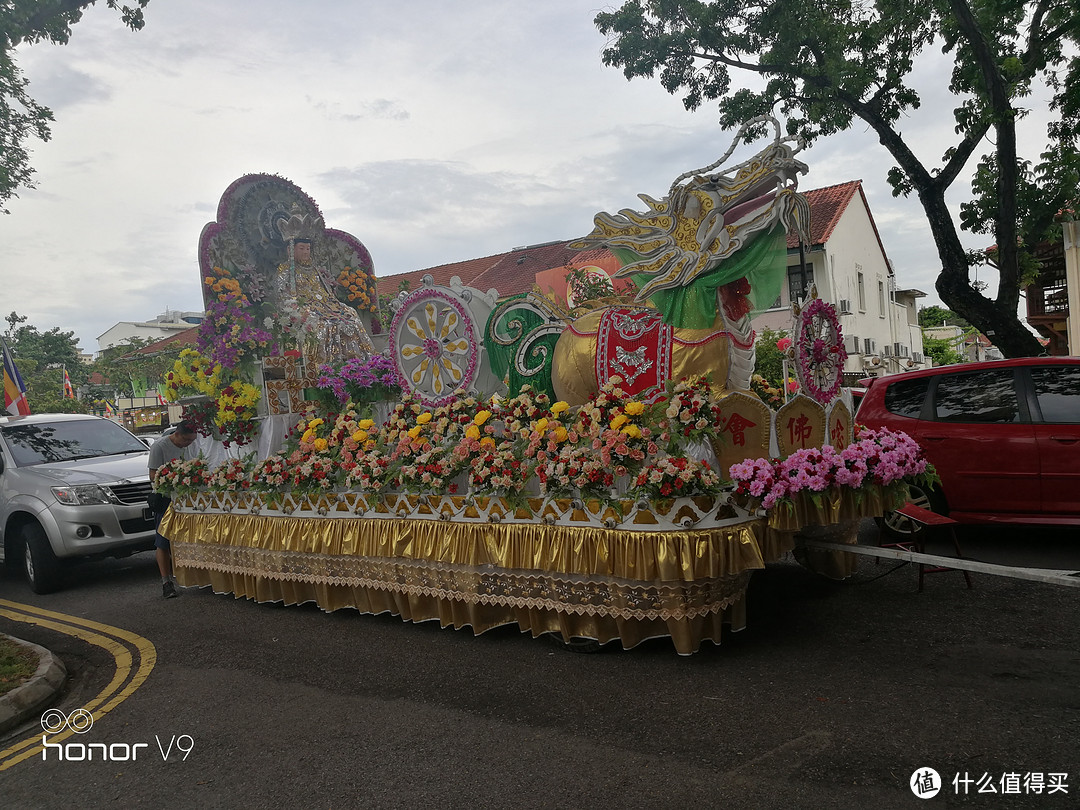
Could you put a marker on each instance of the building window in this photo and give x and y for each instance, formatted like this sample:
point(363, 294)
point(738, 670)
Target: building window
point(796, 289)
point(881, 297)
point(862, 294)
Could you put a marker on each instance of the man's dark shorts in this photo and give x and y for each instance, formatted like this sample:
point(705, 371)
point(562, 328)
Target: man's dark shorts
point(160, 504)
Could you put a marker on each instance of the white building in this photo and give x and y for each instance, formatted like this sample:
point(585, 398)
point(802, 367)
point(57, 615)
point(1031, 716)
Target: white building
point(165, 325)
point(846, 260)
point(971, 346)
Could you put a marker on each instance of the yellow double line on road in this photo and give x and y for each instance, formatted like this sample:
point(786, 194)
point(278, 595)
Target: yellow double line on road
point(134, 655)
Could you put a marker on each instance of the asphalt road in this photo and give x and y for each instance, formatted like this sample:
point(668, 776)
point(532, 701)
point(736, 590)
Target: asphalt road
point(834, 696)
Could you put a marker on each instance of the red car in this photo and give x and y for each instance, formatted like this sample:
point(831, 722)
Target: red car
point(1004, 436)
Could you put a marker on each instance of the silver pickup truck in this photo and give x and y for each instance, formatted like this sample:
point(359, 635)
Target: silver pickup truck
point(71, 486)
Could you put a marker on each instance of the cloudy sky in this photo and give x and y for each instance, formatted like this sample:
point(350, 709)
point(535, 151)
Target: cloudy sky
point(432, 131)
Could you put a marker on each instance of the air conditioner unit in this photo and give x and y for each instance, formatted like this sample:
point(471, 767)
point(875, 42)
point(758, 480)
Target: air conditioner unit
point(888, 351)
point(917, 357)
point(900, 350)
point(845, 306)
point(851, 344)
point(869, 346)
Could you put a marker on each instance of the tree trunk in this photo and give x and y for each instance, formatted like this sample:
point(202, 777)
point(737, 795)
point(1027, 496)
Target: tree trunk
point(997, 319)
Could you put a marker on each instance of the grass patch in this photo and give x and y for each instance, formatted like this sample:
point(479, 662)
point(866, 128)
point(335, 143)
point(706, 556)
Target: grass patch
point(17, 664)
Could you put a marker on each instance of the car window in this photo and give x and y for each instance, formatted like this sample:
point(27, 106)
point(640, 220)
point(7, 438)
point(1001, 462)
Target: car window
point(977, 396)
point(905, 397)
point(47, 442)
point(1058, 390)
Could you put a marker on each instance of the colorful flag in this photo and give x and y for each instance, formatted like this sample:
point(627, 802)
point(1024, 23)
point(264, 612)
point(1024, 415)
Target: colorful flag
point(69, 390)
point(109, 409)
point(15, 402)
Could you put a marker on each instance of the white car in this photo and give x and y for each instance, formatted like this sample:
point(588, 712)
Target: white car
point(71, 486)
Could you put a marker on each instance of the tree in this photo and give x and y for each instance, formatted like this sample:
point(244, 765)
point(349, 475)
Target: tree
point(941, 350)
point(27, 22)
point(768, 359)
point(130, 372)
point(41, 358)
point(932, 316)
point(828, 63)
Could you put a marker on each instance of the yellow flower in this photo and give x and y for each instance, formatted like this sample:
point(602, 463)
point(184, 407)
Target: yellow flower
point(320, 444)
point(633, 431)
point(307, 437)
point(423, 418)
point(473, 432)
point(414, 432)
point(488, 442)
point(360, 436)
point(634, 408)
point(314, 423)
point(619, 421)
point(559, 407)
point(481, 417)
point(541, 425)
point(560, 434)
point(366, 424)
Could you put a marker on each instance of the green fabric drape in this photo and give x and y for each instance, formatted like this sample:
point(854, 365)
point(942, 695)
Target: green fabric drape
point(763, 262)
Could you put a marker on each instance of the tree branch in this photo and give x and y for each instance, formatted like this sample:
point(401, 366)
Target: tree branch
point(1003, 118)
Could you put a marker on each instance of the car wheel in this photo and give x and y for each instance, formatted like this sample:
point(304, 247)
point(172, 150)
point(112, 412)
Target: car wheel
point(900, 529)
point(40, 565)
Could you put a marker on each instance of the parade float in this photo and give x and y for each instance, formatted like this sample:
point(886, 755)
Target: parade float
point(604, 472)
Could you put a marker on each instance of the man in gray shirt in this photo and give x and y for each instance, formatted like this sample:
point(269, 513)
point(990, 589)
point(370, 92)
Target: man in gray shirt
point(165, 449)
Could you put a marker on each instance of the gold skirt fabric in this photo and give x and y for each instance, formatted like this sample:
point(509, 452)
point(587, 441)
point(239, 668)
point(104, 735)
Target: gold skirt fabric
point(579, 582)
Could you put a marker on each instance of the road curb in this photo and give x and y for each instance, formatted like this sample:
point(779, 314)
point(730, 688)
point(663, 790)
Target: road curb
point(20, 703)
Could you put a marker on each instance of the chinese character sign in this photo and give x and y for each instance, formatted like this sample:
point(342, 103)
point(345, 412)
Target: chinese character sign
point(744, 429)
point(800, 425)
point(840, 425)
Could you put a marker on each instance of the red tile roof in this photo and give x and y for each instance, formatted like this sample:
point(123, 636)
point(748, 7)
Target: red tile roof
point(827, 205)
point(175, 343)
point(515, 271)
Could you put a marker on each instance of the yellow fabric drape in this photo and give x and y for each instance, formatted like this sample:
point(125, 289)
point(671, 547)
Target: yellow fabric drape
point(577, 581)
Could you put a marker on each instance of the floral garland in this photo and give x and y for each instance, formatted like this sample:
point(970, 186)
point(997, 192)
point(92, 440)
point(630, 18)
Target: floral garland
point(357, 287)
point(876, 457)
point(772, 395)
point(233, 407)
point(528, 444)
point(813, 352)
point(228, 334)
point(182, 476)
point(677, 477)
point(372, 380)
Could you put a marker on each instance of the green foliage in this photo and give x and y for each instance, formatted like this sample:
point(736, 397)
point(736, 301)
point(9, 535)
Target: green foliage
point(129, 373)
point(27, 22)
point(769, 360)
point(941, 350)
point(17, 665)
point(823, 65)
point(41, 358)
point(934, 315)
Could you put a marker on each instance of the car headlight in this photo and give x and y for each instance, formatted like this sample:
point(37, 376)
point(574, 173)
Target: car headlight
point(83, 495)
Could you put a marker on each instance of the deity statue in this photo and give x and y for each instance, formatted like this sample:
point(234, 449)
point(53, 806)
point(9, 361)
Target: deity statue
point(327, 330)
